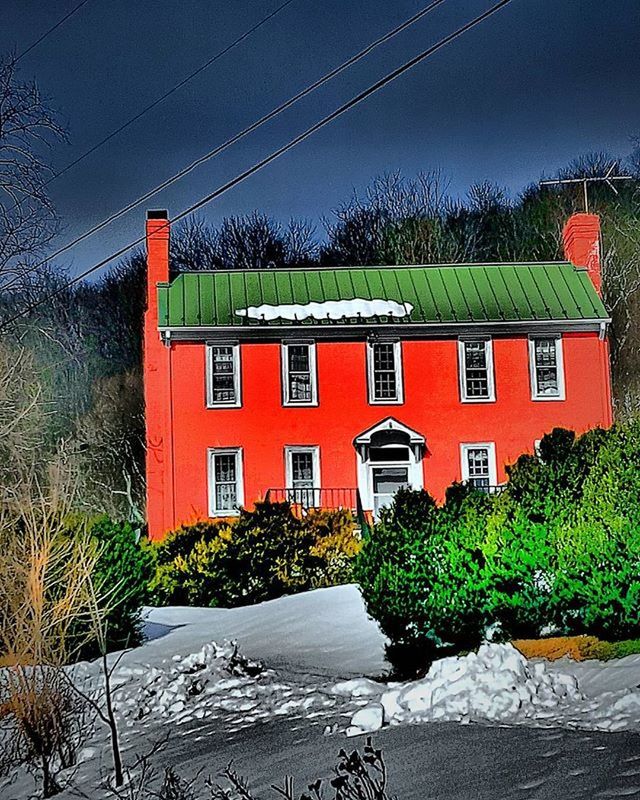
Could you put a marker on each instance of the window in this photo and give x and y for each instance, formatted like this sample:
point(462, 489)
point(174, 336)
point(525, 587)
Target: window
point(384, 368)
point(300, 387)
point(302, 467)
point(226, 489)
point(479, 465)
point(546, 368)
point(223, 376)
point(475, 362)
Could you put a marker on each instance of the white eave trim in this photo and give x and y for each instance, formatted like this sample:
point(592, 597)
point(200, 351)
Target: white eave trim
point(406, 330)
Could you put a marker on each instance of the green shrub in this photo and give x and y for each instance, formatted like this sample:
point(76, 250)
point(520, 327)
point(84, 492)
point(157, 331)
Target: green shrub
point(121, 576)
point(558, 551)
point(263, 554)
point(519, 576)
point(123, 570)
point(422, 584)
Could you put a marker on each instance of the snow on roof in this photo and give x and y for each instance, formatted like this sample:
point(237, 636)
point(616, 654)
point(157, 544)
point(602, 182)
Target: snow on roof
point(329, 309)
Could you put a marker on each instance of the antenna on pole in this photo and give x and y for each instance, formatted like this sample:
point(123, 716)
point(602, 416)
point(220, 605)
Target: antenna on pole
point(607, 178)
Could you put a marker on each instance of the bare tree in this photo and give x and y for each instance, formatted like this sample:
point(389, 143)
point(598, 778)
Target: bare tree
point(28, 126)
point(253, 241)
point(46, 605)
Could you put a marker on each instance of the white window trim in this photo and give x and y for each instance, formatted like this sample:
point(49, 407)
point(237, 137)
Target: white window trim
point(220, 451)
point(464, 461)
point(462, 374)
point(288, 463)
point(397, 359)
point(559, 366)
point(313, 369)
point(237, 383)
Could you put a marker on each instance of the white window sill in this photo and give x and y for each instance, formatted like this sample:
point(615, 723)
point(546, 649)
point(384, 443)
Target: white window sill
point(224, 514)
point(478, 400)
point(548, 398)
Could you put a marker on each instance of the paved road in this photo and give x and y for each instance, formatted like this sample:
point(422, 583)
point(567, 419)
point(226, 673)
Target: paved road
point(443, 761)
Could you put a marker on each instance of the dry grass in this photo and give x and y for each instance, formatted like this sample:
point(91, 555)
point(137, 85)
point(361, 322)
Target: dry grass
point(578, 648)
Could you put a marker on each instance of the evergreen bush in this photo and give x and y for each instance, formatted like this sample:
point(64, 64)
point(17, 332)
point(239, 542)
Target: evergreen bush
point(557, 552)
point(265, 553)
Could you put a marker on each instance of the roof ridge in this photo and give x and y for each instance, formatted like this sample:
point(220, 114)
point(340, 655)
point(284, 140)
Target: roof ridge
point(450, 265)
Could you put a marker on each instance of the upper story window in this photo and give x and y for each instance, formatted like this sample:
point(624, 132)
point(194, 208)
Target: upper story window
point(223, 376)
point(384, 370)
point(299, 378)
point(226, 487)
point(475, 363)
point(546, 368)
point(479, 465)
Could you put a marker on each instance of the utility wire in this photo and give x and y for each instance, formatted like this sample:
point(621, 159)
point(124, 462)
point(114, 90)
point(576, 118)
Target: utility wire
point(236, 138)
point(170, 91)
point(51, 30)
point(359, 98)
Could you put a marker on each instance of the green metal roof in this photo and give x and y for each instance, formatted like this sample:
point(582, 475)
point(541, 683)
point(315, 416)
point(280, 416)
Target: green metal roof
point(452, 294)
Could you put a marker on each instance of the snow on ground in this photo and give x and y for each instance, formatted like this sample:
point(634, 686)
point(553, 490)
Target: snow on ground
point(326, 633)
point(315, 657)
point(323, 632)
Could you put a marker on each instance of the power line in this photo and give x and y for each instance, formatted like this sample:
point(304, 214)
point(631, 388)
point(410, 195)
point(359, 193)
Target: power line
point(51, 30)
point(359, 98)
point(170, 91)
point(160, 99)
point(236, 138)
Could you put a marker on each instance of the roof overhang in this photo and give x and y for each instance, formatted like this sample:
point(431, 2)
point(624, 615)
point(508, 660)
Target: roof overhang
point(357, 332)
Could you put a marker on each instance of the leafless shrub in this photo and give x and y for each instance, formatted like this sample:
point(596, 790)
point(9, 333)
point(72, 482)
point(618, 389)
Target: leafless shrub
point(42, 722)
point(357, 777)
point(46, 605)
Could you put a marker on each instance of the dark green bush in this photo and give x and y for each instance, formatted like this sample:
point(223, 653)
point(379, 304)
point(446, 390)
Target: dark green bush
point(423, 584)
point(123, 571)
point(263, 554)
point(558, 551)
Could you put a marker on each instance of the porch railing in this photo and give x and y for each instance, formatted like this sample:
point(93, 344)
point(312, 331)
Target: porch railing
point(488, 488)
point(327, 498)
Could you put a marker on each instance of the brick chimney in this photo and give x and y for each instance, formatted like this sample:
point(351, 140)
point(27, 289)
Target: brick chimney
point(157, 385)
point(157, 252)
point(581, 238)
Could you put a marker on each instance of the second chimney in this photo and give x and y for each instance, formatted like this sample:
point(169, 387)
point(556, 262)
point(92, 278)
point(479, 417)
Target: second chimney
point(581, 239)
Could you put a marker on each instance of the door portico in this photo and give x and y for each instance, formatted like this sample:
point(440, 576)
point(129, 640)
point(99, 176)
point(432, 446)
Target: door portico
point(389, 456)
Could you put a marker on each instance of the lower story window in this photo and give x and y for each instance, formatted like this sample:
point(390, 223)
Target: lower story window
point(303, 475)
point(479, 465)
point(226, 492)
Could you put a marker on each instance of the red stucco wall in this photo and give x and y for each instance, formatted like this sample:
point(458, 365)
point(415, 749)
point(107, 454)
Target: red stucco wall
point(262, 427)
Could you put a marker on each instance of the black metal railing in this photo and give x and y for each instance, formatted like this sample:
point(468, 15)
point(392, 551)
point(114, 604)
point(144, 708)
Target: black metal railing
point(330, 498)
point(487, 488)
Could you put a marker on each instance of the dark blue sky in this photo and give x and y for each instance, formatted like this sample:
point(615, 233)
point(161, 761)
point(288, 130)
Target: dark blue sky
point(537, 84)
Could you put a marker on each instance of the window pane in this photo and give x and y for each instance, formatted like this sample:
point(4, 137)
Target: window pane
point(546, 367)
point(226, 494)
point(298, 357)
point(299, 373)
point(476, 371)
point(384, 372)
point(300, 387)
point(222, 375)
point(302, 469)
point(478, 467)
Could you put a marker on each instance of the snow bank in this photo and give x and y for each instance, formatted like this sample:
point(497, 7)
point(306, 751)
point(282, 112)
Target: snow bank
point(168, 692)
point(329, 309)
point(496, 684)
point(216, 681)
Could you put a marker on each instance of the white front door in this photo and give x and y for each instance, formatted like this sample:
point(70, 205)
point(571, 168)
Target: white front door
point(385, 482)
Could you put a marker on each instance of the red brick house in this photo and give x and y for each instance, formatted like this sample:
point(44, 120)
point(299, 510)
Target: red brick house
point(325, 385)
